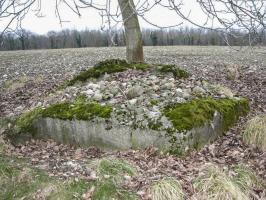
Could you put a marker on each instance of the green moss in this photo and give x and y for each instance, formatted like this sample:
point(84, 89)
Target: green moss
point(104, 67)
point(155, 125)
point(79, 111)
point(197, 112)
point(116, 65)
point(25, 121)
point(178, 73)
point(140, 66)
point(154, 102)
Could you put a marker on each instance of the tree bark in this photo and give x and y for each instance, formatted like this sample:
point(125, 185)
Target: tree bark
point(134, 47)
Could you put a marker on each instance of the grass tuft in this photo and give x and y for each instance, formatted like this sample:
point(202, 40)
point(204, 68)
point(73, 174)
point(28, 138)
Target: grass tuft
point(113, 168)
point(245, 178)
point(214, 183)
point(167, 189)
point(255, 132)
point(111, 174)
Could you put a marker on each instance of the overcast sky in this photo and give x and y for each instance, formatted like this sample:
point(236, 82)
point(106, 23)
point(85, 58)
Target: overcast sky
point(90, 18)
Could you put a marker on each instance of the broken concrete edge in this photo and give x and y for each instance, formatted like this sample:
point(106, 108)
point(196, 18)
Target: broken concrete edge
point(117, 65)
point(176, 141)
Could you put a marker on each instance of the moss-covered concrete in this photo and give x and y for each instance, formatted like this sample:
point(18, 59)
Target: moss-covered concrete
point(80, 110)
point(196, 113)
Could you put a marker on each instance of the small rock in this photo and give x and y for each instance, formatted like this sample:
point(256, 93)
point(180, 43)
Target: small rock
point(134, 92)
point(199, 90)
point(93, 86)
point(88, 93)
point(179, 92)
point(132, 101)
point(98, 97)
point(156, 88)
point(168, 86)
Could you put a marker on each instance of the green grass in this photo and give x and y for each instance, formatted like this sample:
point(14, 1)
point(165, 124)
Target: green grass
point(255, 132)
point(18, 180)
point(108, 190)
point(167, 189)
point(111, 172)
point(71, 190)
point(113, 168)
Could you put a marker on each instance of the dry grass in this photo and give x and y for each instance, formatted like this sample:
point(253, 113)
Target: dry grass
point(215, 183)
point(232, 72)
point(11, 85)
point(167, 189)
point(113, 167)
point(255, 132)
point(3, 145)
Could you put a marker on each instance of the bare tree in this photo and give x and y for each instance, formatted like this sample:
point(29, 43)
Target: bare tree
point(221, 15)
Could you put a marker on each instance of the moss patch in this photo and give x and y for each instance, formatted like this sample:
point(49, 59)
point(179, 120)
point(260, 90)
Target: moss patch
point(104, 67)
point(140, 66)
point(116, 65)
point(196, 113)
point(178, 73)
point(154, 102)
point(25, 121)
point(80, 110)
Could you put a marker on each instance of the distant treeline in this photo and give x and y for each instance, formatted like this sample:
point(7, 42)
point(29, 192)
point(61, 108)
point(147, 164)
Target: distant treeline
point(24, 39)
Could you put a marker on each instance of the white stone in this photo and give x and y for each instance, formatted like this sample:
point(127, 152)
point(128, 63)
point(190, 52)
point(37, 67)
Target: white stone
point(133, 101)
point(98, 96)
point(179, 92)
point(93, 86)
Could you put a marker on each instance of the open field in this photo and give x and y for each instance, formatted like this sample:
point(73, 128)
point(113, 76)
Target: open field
point(26, 77)
point(36, 72)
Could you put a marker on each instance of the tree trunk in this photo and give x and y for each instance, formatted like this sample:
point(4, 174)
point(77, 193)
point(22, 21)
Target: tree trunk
point(132, 31)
